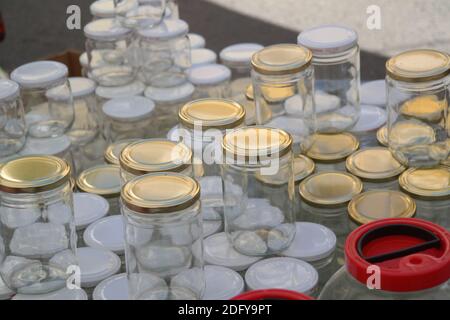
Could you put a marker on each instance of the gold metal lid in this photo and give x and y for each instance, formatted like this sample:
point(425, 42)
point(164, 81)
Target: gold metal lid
point(374, 164)
point(382, 136)
point(302, 166)
point(249, 93)
point(212, 113)
point(380, 204)
point(427, 183)
point(112, 153)
point(427, 108)
point(155, 155)
point(419, 65)
point(256, 143)
point(330, 188)
point(282, 59)
point(332, 147)
point(103, 180)
point(160, 192)
point(33, 174)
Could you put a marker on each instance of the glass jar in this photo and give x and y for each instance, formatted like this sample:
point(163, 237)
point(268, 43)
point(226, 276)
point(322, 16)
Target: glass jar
point(337, 72)
point(430, 188)
point(128, 118)
point(164, 54)
point(202, 56)
point(103, 180)
point(106, 45)
point(393, 259)
point(283, 86)
point(14, 130)
point(418, 93)
point(329, 151)
point(196, 41)
point(238, 58)
point(153, 156)
point(376, 167)
point(37, 223)
point(371, 119)
point(168, 102)
point(112, 153)
point(45, 117)
point(149, 14)
point(101, 9)
point(254, 226)
point(210, 81)
point(162, 218)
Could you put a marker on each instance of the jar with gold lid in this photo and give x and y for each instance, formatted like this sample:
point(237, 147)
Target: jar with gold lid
point(430, 188)
point(254, 225)
point(418, 94)
point(112, 152)
point(37, 217)
point(103, 180)
point(283, 84)
point(163, 235)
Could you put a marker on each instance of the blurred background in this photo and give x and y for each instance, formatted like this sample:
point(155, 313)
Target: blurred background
point(37, 29)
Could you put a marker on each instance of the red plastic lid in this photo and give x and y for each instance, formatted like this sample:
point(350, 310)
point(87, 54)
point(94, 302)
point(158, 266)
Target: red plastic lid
point(272, 294)
point(411, 254)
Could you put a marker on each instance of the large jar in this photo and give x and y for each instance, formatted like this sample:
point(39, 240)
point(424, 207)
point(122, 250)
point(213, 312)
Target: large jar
point(337, 73)
point(163, 234)
point(254, 226)
point(283, 85)
point(210, 81)
point(418, 94)
point(37, 224)
point(44, 116)
point(394, 259)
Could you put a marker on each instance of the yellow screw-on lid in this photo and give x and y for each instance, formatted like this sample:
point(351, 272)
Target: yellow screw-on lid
point(428, 183)
point(103, 180)
point(332, 147)
point(112, 153)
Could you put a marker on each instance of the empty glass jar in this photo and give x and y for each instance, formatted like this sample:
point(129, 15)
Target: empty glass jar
point(418, 94)
point(45, 117)
point(210, 81)
point(163, 232)
point(253, 225)
point(37, 223)
point(12, 119)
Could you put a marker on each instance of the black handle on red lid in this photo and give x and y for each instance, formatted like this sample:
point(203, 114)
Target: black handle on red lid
point(430, 241)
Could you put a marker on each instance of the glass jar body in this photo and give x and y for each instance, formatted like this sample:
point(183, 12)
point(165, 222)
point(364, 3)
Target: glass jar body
point(14, 129)
point(115, 130)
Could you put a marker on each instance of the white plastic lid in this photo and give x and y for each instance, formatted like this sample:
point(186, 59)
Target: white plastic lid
point(219, 251)
point(282, 273)
point(169, 28)
point(239, 54)
point(129, 108)
point(312, 242)
point(47, 146)
point(196, 40)
point(374, 93)
point(61, 294)
point(371, 118)
point(328, 39)
point(170, 95)
point(202, 56)
point(9, 90)
point(88, 208)
point(106, 233)
point(39, 74)
point(222, 283)
point(135, 88)
point(106, 8)
point(105, 30)
point(82, 87)
point(211, 227)
point(5, 292)
point(209, 74)
point(84, 60)
point(113, 288)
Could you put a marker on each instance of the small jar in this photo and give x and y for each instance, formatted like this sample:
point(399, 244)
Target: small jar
point(373, 93)
point(153, 156)
point(430, 188)
point(336, 64)
point(101, 9)
point(164, 54)
point(106, 46)
point(112, 153)
point(102, 180)
point(283, 77)
point(393, 259)
point(202, 56)
point(168, 102)
point(128, 118)
point(329, 151)
point(253, 225)
point(376, 167)
point(14, 130)
point(196, 41)
point(210, 81)
point(418, 107)
point(44, 116)
point(37, 223)
point(371, 119)
point(163, 219)
point(238, 58)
